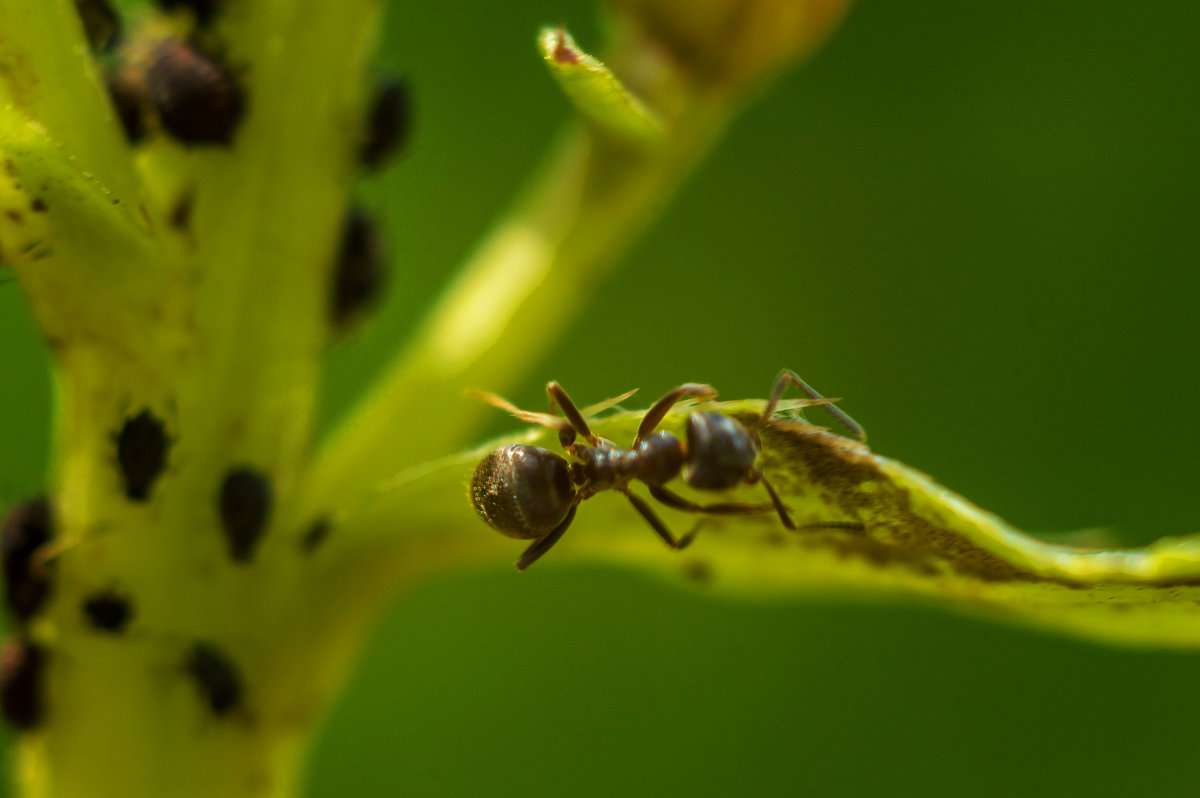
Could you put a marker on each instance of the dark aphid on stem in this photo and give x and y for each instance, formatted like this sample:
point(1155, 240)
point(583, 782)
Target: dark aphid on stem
point(108, 611)
point(22, 666)
point(128, 97)
point(197, 99)
point(315, 535)
point(142, 446)
point(389, 122)
point(180, 217)
point(28, 527)
point(245, 506)
point(359, 271)
point(101, 23)
point(203, 10)
point(216, 676)
point(532, 493)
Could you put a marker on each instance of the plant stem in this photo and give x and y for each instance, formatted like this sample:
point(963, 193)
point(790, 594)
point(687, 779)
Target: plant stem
point(524, 283)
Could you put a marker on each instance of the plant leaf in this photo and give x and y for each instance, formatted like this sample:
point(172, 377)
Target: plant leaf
point(891, 531)
point(595, 91)
point(47, 74)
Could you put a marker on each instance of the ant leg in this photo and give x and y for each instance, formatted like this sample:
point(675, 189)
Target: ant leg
point(789, 377)
point(759, 476)
point(559, 399)
point(653, 520)
point(677, 502)
point(655, 414)
point(545, 542)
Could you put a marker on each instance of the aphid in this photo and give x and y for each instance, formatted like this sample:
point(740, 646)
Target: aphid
point(202, 9)
point(22, 664)
point(358, 273)
point(181, 212)
point(217, 677)
point(388, 124)
point(245, 505)
point(532, 493)
point(108, 611)
point(127, 94)
point(101, 24)
point(27, 528)
point(142, 447)
point(197, 100)
point(315, 535)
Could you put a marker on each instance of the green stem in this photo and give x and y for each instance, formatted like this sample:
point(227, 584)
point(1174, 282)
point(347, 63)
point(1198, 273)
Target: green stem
point(521, 287)
point(218, 330)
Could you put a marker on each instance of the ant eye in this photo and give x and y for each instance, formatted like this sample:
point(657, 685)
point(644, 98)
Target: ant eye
point(27, 528)
point(217, 677)
point(522, 491)
point(22, 664)
point(142, 454)
point(197, 100)
point(245, 504)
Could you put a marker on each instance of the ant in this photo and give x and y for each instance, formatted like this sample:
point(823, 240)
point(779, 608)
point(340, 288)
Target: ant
point(531, 493)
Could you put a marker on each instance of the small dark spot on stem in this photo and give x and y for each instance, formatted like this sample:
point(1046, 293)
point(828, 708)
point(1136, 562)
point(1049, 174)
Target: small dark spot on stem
point(142, 446)
point(389, 122)
point(203, 10)
point(359, 272)
point(27, 528)
point(14, 215)
point(38, 205)
point(245, 505)
point(315, 535)
point(181, 213)
point(101, 24)
point(22, 664)
point(216, 676)
point(699, 571)
point(127, 94)
point(108, 611)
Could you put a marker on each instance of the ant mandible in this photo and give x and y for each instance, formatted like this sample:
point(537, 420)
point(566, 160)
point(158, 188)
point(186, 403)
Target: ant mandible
point(531, 493)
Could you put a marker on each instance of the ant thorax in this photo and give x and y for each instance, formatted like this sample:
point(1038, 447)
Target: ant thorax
point(604, 465)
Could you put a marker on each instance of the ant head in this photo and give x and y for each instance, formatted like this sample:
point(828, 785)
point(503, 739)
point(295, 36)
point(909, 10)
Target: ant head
point(522, 491)
point(721, 452)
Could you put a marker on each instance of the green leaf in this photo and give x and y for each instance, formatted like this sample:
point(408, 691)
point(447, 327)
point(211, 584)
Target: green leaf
point(889, 531)
point(596, 92)
point(47, 74)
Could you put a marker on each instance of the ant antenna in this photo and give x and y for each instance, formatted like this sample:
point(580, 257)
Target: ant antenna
point(788, 377)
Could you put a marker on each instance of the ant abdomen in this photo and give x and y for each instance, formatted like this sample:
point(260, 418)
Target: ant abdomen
point(522, 491)
point(721, 452)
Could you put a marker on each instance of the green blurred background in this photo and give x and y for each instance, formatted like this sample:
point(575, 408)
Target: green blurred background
point(978, 224)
